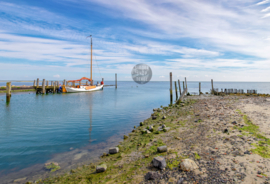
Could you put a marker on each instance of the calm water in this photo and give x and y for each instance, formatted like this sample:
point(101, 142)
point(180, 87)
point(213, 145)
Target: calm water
point(35, 127)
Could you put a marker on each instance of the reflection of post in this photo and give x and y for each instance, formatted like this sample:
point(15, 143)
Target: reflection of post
point(171, 95)
point(116, 80)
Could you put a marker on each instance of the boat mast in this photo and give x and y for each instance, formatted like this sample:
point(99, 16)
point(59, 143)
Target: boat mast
point(91, 60)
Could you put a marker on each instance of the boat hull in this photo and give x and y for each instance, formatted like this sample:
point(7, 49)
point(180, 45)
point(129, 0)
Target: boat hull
point(78, 90)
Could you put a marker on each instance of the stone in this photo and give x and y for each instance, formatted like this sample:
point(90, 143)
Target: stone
point(141, 123)
point(152, 175)
point(163, 126)
point(188, 165)
point(155, 109)
point(234, 123)
point(159, 162)
point(164, 117)
point(146, 131)
point(113, 150)
point(162, 149)
point(101, 168)
point(125, 137)
point(225, 130)
point(151, 128)
point(154, 117)
point(19, 180)
point(180, 181)
point(49, 163)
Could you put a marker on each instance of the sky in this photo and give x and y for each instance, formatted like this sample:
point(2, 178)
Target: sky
point(198, 39)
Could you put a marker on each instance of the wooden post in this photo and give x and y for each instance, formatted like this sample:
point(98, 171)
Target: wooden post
point(51, 83)
point(171, 95)
point(64, 82)
point(183, 85)
point(37, 82)
point(176, 94)
point(80, 83)
point(212, 83)
point(116, 80)
point(34, 84)
point(186, 82)
point(179, 87)
point(103, 80)
point(86, 83)
point(43, 86)
point(54, 87)
point(199, 88)
point(8, 92)
point(47, 83)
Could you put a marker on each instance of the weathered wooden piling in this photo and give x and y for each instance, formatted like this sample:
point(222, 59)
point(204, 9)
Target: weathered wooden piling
point(176, 94)
point(43, 87)
point(179, 87)
point(212, 84)
point(34, 84)
point(8, 92)
point(200, 88)
point(183, 85)
point(51, 83)
point(116, 80)
point(37, 82)
point(186, 82)
point(86, 83)
point(103, 80)
point(171, 94)
point(80, 83)
point(47, 83)
point(64, 82)
point(54, 87)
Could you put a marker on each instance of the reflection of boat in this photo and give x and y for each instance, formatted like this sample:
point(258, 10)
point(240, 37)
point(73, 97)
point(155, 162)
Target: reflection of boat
point(83, 87)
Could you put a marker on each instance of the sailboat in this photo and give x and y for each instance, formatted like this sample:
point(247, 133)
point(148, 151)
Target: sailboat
point(83, 87)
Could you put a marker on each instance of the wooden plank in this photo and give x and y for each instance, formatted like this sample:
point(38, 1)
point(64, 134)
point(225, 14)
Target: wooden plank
point(182, 96)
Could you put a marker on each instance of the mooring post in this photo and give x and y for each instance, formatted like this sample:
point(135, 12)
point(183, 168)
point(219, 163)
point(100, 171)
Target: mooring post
point(199, 88)
point(116, 80)
point(176, 94)
point(43, 86)
point(8, 92)
point(179, 87)
point(186, 82)
point(64, 82)
point(183, 86)
point(47, 83)
point(171, 95)
point(37, 82)
point(54, 87)
point(86, 83)
point(34, 84)
point(51, 83)
point(212, 83)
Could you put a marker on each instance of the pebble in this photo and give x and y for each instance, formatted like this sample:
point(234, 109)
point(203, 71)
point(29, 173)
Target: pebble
point(152, 176)
point(101, 168)
point(159, 162)
point(113, 150)
point(162, 149)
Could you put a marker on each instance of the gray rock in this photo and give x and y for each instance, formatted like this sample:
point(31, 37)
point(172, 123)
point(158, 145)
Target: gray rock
point(180, 181)
point(101, 168)
point(163, 126)
point(155, 109)
point(164, 117)
point(113, 150)
point(152, 175)
point(162, 149)
point(154, 117)
point(188, 165)
point(151, 128)
point(159, 162)
point(141, 123)
point(146, 131)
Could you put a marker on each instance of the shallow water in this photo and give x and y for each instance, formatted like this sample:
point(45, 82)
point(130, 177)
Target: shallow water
point(33, 127)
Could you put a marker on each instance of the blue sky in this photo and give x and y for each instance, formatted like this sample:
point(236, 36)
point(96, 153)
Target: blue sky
point(198, 39)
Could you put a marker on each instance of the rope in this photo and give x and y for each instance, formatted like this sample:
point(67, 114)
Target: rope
point(97, 66)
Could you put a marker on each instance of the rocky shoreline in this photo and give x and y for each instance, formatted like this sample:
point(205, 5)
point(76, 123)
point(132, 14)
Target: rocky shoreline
point(205, 139)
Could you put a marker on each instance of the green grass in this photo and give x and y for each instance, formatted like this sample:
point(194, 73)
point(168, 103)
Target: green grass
point(197, 156)
point(53, 167)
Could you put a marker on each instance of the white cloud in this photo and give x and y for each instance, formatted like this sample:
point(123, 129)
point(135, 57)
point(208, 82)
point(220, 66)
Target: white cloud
point(57, 76)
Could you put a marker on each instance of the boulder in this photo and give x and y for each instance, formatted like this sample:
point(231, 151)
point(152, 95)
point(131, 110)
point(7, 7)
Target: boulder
point(152, 175)
point(188, 165)
point(101, 168)
point(113, 150)
point(162, 149)
point(159, 162)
